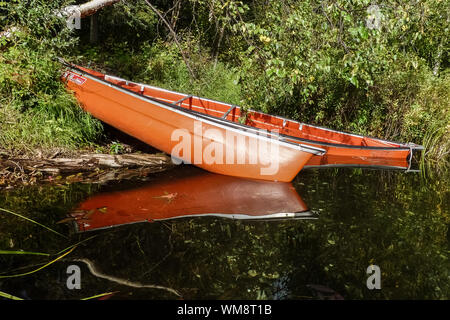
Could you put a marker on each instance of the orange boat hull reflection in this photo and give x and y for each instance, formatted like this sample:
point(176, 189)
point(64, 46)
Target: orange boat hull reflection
point(189, 192)
point(360, 161)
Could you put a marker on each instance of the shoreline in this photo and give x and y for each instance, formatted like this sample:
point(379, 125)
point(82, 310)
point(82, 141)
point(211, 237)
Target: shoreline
point(85, 168)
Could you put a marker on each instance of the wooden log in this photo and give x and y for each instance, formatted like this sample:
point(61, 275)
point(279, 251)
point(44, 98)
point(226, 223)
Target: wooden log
point(81, 11)
point(88, 8)
point(88, 162)
point(87, 168)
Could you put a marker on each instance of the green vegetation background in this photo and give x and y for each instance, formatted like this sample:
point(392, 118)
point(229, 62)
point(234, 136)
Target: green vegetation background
point(314, 61)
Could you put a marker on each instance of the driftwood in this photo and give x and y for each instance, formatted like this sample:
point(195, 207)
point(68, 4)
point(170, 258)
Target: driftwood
point(89, 162)
point(89, 168)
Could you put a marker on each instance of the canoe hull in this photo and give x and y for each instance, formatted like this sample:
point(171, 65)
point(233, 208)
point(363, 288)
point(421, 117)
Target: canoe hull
point(208, 145)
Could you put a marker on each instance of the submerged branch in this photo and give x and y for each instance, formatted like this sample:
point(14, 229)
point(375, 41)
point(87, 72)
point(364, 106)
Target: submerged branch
point(125, 282)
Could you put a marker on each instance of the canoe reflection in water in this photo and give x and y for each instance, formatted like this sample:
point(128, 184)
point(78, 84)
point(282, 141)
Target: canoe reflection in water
point(190, 192)
point(336, 161)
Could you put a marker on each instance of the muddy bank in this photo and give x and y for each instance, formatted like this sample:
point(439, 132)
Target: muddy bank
point(88, 167)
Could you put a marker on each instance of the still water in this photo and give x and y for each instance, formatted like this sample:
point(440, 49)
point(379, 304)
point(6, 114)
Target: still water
point(190, 234)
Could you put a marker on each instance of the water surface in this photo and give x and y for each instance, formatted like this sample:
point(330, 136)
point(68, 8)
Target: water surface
point(341, 221)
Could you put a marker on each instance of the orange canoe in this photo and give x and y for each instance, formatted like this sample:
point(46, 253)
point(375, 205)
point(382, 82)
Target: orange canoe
point(217, 144)
point(189, 192)
point(152, 114)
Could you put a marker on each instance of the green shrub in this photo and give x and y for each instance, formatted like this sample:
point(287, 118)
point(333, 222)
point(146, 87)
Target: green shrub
point(37, 111)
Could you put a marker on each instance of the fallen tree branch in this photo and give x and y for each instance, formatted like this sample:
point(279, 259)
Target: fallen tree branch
point(89, 162)
point(87, 168)
point(81, 11)
point(88, 8)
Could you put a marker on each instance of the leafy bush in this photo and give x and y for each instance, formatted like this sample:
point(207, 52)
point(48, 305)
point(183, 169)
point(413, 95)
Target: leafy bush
point(37, 111)
point(346, 65)
point(161, 64)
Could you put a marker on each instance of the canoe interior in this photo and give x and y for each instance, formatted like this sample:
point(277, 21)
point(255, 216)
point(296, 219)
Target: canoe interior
point(254, 119)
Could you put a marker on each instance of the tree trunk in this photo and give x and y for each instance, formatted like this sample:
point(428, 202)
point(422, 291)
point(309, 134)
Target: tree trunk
point(175, 38)
point(89, 8)
point(93, 36)
point(81, 11)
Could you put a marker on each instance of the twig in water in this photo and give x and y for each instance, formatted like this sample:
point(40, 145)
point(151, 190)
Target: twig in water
point(125, 282)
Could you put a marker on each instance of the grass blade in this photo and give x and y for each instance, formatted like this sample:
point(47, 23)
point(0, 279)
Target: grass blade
point(31, 220)
point(9, 296)
point(100, 295)
point(36, 270)
point(76, 244)
point(23, 252)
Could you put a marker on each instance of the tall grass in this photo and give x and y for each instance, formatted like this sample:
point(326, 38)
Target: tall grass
point(427, 118)
point(37, 130)
point(36, 112)
point(160, 64)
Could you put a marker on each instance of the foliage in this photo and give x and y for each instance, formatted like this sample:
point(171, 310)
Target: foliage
point(320, 62)
point(347, 65)
point(36, 110)
point(376, 69)
point(428, 116)
point(161, 64)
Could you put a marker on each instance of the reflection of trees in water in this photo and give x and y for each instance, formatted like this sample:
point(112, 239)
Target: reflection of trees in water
point(367, 217)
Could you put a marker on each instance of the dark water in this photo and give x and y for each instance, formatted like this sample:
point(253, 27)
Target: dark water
point(395, 220)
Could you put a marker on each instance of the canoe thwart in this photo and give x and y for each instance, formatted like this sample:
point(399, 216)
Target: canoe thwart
point(228, 112)
point(181, 100)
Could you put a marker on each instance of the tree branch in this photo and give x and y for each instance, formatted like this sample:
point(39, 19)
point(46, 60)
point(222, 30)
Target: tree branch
point(174, 37)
